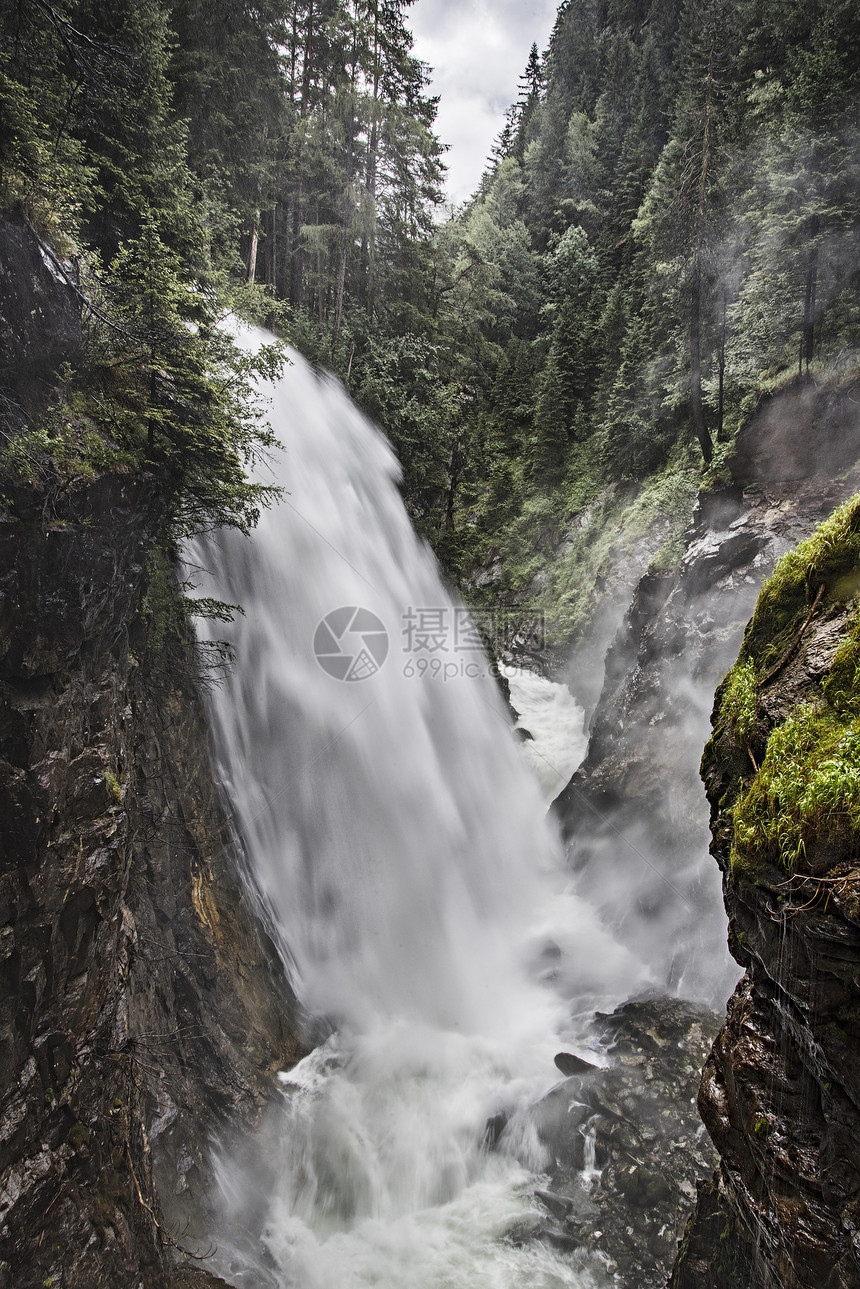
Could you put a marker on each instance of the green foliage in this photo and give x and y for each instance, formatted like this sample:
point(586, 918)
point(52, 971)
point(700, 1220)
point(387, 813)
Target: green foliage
point(163, 608)
point(47, 175)
point(739, 705)
point(804, 804)
point(831, 553)
point(666, 220)
point(842, 686)
point(167, 609)
point(114, 785)
point(63, 445)
point(668, 226)
point(399, 385)
point(801, 808)
point(560, 543)
point(93, 155)
point(718, 474)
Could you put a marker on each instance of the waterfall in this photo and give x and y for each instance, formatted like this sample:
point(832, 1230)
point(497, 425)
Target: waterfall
point(398, 848)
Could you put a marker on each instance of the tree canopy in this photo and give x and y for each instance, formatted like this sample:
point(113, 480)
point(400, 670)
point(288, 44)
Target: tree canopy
point(666, 228)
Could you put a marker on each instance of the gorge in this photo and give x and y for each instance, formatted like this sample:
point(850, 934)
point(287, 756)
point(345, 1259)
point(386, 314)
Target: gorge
point(178, 945)
point(319, 967)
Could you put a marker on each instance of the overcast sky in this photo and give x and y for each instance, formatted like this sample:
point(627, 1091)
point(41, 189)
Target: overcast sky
point(478, 50)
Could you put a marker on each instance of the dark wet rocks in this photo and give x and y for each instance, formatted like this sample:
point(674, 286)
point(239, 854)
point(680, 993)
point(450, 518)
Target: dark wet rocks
point(40, 314)
point(141, 1008)
point(625, 1142)
point(569, 1064)
point(780, 1091)
point(634, 817)
point(191, 1277)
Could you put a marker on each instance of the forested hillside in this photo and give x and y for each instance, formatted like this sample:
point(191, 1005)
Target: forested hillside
point(666, 230)
point(179, 161)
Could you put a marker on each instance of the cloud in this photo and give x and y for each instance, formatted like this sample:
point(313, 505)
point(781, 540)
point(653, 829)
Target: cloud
point(477, 50)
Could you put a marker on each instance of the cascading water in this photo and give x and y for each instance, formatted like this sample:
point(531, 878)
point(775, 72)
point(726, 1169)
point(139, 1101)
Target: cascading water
point(398, 848)
point(555, 725)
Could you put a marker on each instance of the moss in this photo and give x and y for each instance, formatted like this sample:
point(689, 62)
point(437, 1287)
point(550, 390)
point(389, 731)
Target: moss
point(737, 939)
point(78, 1137)
point(801, 808)
point(114, 784)
point(739, 703)
point(806, 795)
point(841, 688)
point(830, 555)
point(112, 1192)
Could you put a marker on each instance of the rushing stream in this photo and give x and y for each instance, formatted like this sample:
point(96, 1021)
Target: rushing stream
point(398, 848)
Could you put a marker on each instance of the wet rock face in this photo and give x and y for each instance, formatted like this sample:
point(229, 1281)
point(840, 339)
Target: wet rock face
point(635, 1131)
point(814, 434)
point(123, 936)
point(634, 816)
point(67, 1110)
point(40, 313)
point(780, 1092)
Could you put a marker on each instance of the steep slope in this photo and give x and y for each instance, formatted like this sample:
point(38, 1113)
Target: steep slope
point(634, 815)
point(780, 1093)
point(141, 1008)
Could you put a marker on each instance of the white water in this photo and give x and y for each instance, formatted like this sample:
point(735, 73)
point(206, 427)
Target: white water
point(556, 723)
point(399, 849)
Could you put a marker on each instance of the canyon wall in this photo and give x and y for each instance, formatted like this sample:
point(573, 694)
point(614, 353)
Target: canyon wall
point(142, 1009)
point(780, 1095)
point(634, 816)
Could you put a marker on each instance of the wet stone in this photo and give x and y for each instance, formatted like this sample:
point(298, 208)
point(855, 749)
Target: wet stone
point(638, 1116)
point(570, 1064)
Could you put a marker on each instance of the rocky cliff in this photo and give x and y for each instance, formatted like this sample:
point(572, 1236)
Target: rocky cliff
point(142, 1009)
point(624, 1142)
point(634, 816)
point(780, 1093)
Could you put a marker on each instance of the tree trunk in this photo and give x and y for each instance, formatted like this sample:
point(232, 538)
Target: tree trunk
point(702, 432)
point(272, 250)
point(698, 411)
point(307, 59)
point(255, 228)
point(455, 470)
point(810, 295)
point(368, 241)
point(252, 251)
point(721, 360)
point(297, 253)
point(345, 231)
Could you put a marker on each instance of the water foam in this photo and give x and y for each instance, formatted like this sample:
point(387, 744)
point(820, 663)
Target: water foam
point(399, 851)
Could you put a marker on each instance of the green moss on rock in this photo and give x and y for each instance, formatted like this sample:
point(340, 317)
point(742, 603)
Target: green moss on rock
point(739, 704)
point(798, 808)
point(830, 555)
point(804, 803)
